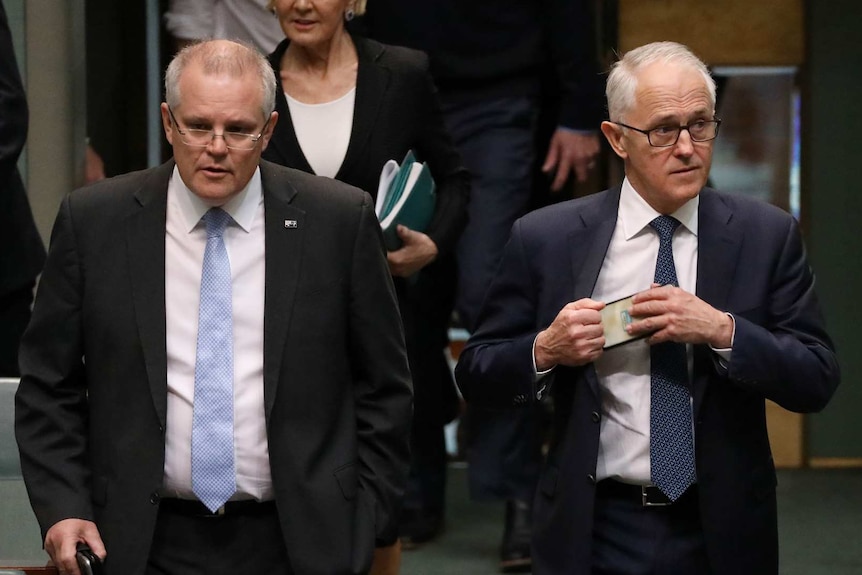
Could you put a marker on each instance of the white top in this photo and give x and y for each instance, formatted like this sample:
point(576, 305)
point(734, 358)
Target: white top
point(247, 20)
point(185, 241)
point(624, 371)
point(323, 131)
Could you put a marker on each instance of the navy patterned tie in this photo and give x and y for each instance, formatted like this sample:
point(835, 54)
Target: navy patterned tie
point(671, 436)
point(213, 472)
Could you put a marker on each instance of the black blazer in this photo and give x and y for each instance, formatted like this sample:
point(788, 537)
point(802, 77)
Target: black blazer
point(337, 396)
point(396, 110)
point(21, 251)
point(751, 263)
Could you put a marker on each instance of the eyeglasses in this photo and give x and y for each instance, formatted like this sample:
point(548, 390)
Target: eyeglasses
point(666, 136)
point(202, 138)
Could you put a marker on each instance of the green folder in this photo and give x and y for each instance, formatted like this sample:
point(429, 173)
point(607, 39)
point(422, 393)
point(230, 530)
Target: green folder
point(410, 199)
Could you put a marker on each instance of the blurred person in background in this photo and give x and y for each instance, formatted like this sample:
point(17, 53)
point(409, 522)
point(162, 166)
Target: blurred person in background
point(488, 58)
point(346, 106)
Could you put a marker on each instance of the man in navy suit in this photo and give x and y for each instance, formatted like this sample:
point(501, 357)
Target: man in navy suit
point(740, 309)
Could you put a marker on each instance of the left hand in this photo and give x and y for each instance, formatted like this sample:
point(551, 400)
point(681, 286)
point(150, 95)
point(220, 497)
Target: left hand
point(417, 251)
point(676, 315)
point(570, 152)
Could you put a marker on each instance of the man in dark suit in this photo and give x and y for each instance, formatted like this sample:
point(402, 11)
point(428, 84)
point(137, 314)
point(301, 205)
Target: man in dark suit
point(21, 251)
point(216, 268)
point(660, 461)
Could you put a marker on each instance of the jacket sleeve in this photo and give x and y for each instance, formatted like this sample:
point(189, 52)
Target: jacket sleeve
point(453, 182)
point(570, 27)
point(383, 391)
point(788, 357)
point(496, 367)
point(51, 404)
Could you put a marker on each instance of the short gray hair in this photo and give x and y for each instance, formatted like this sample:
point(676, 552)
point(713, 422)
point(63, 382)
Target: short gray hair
point(623, 79)
point(222, 57)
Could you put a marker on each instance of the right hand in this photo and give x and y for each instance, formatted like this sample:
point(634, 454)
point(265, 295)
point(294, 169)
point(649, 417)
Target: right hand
point(575, 337)
point(61, 543)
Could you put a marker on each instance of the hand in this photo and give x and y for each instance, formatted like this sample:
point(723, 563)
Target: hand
point(62, 540)
point(94, 167)
point(416, 252)
point(575, 337)
point(677, 315)
point(570, 152)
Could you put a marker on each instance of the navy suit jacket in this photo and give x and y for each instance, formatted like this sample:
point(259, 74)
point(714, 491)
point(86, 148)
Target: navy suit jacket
point(91, 409)
point(751, 263)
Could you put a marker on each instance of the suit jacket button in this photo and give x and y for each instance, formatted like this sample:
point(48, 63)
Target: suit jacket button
point(155, 498)
point(591, 478)
point(596, 417)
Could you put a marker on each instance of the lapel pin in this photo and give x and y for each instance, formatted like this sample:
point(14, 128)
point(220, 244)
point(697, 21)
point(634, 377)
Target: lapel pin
point(290, 224)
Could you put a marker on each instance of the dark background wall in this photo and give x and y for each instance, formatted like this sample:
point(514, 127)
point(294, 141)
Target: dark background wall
point(832, 185)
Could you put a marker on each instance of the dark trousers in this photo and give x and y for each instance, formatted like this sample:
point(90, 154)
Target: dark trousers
point(496, 141)
point(630, 539)
point(239, 545)
point(14, 316)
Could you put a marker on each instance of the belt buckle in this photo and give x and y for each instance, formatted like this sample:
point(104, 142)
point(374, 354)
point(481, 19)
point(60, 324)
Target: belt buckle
point(220, 511)
point(645, 500)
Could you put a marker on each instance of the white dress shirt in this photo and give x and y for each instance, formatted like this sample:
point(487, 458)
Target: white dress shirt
point(624, 371)
point(185, 241)
point(247, 20)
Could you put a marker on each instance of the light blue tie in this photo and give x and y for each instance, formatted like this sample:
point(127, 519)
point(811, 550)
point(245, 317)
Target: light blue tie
point(213, 472)
point(671, 436)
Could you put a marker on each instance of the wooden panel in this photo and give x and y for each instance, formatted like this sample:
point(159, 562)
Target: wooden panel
point(722, 33)
point(785, 436)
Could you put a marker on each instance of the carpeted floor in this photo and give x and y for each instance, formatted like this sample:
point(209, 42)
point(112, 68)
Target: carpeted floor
point(820, 523)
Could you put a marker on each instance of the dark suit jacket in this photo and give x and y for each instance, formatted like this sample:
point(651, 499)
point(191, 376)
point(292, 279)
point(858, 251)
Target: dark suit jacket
point(21, 251)
point(751, 263)
point(396, 110)
point(91, 407)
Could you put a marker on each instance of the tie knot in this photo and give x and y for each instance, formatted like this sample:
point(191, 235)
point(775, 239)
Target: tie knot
point(216, 220)
point(665, 226)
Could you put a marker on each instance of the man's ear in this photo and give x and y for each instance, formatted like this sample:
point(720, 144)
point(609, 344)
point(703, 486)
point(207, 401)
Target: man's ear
point(614, 135)
point(270, 127)
point(166, 123)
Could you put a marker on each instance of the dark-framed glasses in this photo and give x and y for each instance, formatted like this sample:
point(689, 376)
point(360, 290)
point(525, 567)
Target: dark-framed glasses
point(200, 138)
point(666, 136)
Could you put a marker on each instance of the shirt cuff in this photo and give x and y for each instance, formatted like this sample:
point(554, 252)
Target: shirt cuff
point(724, 353)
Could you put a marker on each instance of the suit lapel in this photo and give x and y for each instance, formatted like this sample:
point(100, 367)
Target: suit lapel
point(285, 229)
point(720, 238)
point(372, 82)
point(145, 244)
point(284, 138)
point(588, 244)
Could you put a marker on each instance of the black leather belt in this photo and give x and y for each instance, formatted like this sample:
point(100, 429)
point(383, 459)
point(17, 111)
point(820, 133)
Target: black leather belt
point(646, 495)
point(193, 508)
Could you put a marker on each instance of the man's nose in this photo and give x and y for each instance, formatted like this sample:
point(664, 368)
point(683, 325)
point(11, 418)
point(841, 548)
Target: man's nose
point(217, 144)
point(684, 145)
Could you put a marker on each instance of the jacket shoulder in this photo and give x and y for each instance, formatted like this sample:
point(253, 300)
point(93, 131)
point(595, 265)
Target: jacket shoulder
point(395, 57)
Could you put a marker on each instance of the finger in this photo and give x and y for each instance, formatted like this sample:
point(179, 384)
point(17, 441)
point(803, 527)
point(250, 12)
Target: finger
point(587, 303)
point(562, 174)
point(551, 158)
point(404, 232)
point(582, 171)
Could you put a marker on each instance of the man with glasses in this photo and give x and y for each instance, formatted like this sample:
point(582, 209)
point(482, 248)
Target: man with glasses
point(214, 379)
point(660, 461)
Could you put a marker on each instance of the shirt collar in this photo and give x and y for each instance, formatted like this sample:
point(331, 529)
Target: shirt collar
point(635, 213)
point(242, 207)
